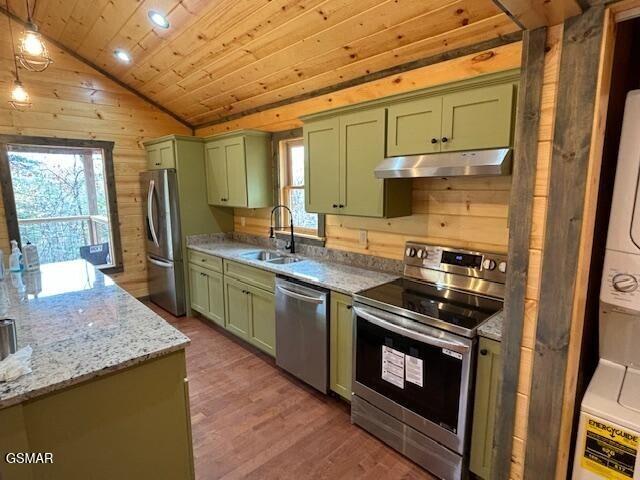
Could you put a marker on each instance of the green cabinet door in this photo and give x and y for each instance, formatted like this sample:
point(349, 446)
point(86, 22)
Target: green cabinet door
point(322, 165)
point(477, 119)
point(484, 410)
point(362, 138)
point(216, 298)
point(236, 172)
point(216, 171)
point(341, 342)
point(237, 311)
point(199, 291)
point(262, 333)
point(414, 127)
point(161, 155)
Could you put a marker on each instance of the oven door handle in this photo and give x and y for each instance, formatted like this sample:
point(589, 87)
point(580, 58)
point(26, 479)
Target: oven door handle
point(369, 316)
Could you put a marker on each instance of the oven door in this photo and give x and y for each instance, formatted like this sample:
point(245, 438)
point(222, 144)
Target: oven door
point(419, 374)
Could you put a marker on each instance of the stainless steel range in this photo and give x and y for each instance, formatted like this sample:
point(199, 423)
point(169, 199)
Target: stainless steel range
point(414, 353)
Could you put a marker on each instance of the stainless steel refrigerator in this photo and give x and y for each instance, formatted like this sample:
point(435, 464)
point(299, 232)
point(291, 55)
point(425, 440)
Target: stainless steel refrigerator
point(164, 240)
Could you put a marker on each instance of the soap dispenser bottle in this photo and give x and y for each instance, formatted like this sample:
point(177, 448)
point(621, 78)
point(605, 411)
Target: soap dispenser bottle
point(15, 259)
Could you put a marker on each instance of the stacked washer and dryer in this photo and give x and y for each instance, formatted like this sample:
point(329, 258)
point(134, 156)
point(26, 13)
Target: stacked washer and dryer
point(609, 431)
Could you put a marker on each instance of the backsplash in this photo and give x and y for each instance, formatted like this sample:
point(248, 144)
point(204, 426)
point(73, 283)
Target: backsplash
point(360, 260)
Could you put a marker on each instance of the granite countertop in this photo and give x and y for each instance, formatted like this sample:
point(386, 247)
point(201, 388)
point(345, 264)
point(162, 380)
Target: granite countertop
point(492, 328)
point(80, 325)
point(334, 276)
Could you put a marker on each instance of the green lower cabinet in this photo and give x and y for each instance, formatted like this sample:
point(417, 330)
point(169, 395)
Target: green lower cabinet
point(237, 311)
point(250, 314)
point(484, 410)
point(215, 312)
point(341, 342)
point(262, 331)
point(198, 280)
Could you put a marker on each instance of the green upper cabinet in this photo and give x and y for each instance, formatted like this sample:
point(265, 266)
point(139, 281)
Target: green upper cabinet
point(414, 127)
point(361, 150)
point(161, 155)
point(239, 172)
point(216, 171)
point(322, 164)
point(341, 153)
point(478, 118)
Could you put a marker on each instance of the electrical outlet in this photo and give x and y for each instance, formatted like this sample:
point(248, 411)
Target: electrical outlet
point(363, 238)
point(243, 221)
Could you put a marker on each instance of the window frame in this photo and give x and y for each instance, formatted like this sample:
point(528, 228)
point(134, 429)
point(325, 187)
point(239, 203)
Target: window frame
point(282, 141)
point(109, 173)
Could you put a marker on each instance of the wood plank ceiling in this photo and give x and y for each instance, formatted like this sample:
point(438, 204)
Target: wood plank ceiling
point(225, 57)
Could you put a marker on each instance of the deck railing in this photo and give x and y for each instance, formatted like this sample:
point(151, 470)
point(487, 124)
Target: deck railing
point(59, 238)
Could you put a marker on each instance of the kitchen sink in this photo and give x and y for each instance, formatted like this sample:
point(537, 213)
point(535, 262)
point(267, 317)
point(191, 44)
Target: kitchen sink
point(285, 260)
point(262, 255)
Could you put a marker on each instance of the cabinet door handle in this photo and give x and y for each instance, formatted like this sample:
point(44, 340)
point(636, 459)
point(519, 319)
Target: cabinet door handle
point(340, 206)
point(445, 139)
point(335, 205)
point(203, 274)
point(349, 307)
point(483, 352)
point(434, 140)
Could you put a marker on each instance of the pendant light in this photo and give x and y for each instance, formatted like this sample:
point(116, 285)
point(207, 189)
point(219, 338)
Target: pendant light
point(33, 53)
point(20, 99)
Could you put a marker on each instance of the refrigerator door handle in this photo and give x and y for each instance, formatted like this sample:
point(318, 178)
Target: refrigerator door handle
point(159, 263)
point(152, 228)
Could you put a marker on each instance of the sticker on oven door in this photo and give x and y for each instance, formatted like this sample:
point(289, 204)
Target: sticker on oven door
point(393, 366)
point(451, 353)
point(413, 370)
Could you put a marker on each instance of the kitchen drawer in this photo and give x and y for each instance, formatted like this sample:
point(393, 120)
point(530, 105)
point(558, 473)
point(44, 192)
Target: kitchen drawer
point(251, 275)
point(204, 260)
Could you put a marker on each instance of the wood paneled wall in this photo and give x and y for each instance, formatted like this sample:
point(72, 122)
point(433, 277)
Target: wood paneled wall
point(549, 94)
point(462, 212)
point(71, 100)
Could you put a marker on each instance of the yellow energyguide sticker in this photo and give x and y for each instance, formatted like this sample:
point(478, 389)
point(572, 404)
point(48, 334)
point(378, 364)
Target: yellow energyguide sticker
point(609, 451)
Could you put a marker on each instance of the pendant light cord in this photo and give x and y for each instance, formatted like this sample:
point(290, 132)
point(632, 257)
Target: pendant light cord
point(29, 13)
point(13, 47)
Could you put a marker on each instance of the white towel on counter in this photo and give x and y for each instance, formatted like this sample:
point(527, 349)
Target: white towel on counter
point(16, 365)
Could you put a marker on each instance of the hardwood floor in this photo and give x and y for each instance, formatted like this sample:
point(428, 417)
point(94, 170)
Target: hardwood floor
point(252, 420)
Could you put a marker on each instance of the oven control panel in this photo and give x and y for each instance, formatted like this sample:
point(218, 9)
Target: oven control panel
point(488, 266)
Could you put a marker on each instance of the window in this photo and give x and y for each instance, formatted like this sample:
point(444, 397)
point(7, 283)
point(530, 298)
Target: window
point(291, 174)
point(60, 198)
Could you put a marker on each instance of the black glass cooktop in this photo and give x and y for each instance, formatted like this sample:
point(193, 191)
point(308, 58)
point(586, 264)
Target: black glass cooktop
point(463, 310)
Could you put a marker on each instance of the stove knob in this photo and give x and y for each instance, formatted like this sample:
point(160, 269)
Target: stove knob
point(625, 283)
point(488, 264)
point(422, 254)
point(502, 266)
point(410, 252)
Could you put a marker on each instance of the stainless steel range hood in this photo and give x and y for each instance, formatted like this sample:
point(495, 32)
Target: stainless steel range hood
point(450, 164)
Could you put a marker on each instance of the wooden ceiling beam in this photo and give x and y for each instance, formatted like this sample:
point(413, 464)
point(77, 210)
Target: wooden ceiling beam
point(532, 14)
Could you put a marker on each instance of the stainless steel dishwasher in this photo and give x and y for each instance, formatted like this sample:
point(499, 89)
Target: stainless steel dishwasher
point(302, 331)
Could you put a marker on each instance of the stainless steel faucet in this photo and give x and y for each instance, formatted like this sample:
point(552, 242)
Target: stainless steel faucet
point(292, 243)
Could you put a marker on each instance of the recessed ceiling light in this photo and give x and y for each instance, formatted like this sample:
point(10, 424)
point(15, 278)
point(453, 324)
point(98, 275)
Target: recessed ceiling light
point(158, 19)
point(122, 56)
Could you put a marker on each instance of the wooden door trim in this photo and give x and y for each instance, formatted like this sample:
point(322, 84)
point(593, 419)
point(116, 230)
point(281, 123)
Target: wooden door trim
point(572, 138)
point(520, 225)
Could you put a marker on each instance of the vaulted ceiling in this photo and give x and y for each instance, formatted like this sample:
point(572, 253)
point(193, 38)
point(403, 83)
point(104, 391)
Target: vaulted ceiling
point(225, 57)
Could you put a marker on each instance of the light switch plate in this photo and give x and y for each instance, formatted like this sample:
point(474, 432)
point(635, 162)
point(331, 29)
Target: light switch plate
point(363, 238)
